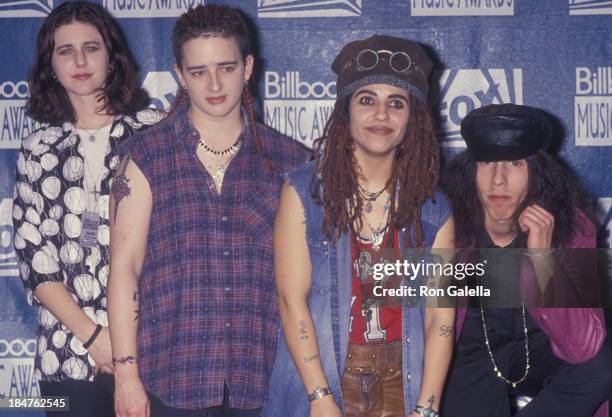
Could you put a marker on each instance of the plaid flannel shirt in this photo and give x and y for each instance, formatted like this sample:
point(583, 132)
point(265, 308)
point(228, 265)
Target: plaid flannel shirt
point(208, 303)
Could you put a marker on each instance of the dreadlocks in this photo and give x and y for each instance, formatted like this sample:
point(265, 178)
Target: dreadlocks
point(413, 179)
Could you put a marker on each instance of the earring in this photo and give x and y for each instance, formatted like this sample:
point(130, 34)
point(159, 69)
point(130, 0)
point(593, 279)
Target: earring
point(53, 75)
point(184, 90)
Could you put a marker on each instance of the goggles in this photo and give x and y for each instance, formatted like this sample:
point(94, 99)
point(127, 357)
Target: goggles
point(368, 59)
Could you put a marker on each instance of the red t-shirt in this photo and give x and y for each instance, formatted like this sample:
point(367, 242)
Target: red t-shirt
point(373, 319)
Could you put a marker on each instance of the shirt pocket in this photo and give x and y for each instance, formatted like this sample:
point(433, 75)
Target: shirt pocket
point(259, 218)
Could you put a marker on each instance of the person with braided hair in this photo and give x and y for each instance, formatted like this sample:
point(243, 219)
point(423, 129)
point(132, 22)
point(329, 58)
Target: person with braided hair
point(372, 186)
point(192, 305)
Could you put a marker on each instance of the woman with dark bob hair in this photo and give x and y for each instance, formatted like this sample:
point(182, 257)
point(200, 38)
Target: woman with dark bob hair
point(84, 91)
point(349, 350)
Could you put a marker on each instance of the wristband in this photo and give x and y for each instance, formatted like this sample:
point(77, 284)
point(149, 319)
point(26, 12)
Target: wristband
point(425, 412)
point(319, 393)
point(93, 336)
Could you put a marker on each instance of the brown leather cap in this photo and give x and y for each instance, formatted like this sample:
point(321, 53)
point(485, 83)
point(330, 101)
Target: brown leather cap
point(382, 59)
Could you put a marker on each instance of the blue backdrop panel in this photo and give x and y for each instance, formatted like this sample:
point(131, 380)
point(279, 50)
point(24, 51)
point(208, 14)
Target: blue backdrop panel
point(552, 54)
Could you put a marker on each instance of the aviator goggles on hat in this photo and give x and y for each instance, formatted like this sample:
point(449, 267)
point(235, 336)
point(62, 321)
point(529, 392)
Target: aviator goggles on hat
point(368, 59)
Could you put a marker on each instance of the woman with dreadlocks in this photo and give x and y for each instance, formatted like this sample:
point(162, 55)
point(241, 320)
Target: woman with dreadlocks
point(192, 306)
point(347, 351)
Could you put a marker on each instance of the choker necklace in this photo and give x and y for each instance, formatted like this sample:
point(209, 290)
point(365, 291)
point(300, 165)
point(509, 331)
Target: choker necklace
point(231, 150)
point(495, 367)
point(370, 197)
point(92, 136)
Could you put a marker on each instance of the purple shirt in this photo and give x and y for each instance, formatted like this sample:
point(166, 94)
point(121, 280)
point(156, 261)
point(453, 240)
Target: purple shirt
point(208, 302)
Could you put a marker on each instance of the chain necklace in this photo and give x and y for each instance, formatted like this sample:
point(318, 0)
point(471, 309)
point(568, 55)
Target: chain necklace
point(218, 167)
point(495, 367)
point(377, 234)
point(370, 197)
point(92, 134)
point(231, 150)
point(94, 178)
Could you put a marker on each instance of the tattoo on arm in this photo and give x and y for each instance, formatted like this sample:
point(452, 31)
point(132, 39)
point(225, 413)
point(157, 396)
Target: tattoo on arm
point(446, 331)
point(120, 188)
point(431, 402)
point(311, 358)
point(136, 299)
point(124, 360)
point(303, 333)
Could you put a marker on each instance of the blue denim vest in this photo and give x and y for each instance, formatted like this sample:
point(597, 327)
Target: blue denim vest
point(329, 303)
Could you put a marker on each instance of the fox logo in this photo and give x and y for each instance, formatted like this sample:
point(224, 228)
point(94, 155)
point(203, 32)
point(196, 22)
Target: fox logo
point(464, 90)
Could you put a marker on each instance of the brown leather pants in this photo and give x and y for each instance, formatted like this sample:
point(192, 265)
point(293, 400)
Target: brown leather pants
point(372, 383)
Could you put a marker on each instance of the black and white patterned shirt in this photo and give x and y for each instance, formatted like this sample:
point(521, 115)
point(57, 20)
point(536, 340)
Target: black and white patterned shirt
point(47, 216)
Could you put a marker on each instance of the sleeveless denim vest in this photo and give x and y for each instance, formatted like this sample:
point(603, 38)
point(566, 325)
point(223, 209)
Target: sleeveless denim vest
point(330, 304)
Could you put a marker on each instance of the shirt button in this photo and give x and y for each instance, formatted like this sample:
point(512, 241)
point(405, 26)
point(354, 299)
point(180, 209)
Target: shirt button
point(227, 289)
point(408, 376)
point(407, 340)
point(226, 253)
point(224, 218)
point(227, 324)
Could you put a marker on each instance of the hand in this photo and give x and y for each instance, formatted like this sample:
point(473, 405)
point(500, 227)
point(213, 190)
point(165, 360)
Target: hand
point(101, 352)
point(131, 399)
point(325, 407)
point(539, 225)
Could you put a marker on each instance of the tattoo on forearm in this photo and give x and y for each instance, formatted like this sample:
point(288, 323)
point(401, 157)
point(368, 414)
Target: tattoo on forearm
point(311, 358)
point(124, 360)
point(446, 331)
point(431, 401)
point(303, 333)
point(136, 299)
point(120, 188)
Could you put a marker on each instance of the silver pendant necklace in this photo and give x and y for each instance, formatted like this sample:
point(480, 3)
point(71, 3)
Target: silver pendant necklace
point(92, 134)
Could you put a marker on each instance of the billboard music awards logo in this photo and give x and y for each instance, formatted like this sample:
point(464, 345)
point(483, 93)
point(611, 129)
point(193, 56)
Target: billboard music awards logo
point(15, 124)
point(161, 87)
point(308, 8)
point(462, 7)
point(593, 106)
point(464, 90)
point(8, 258)
point(296, 107)
point(17, 375)
point(25, 8)
point(582, 7)
point(149, 8)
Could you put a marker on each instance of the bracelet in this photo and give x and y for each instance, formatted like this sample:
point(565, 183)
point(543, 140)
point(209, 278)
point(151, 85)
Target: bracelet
point(319, 393)
point(426, 412)
point(125, 360)
point(93, 336)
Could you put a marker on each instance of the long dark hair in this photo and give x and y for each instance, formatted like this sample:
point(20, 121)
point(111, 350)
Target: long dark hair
point(550, 185)
point(216, 21)
point(121, 92)
point(413, 179)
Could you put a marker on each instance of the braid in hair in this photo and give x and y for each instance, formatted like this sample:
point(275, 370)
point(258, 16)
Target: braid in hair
point(247, 100)
point(222, 21)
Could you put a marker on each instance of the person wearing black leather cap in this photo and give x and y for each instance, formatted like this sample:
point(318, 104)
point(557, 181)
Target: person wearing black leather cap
point(508, 192)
